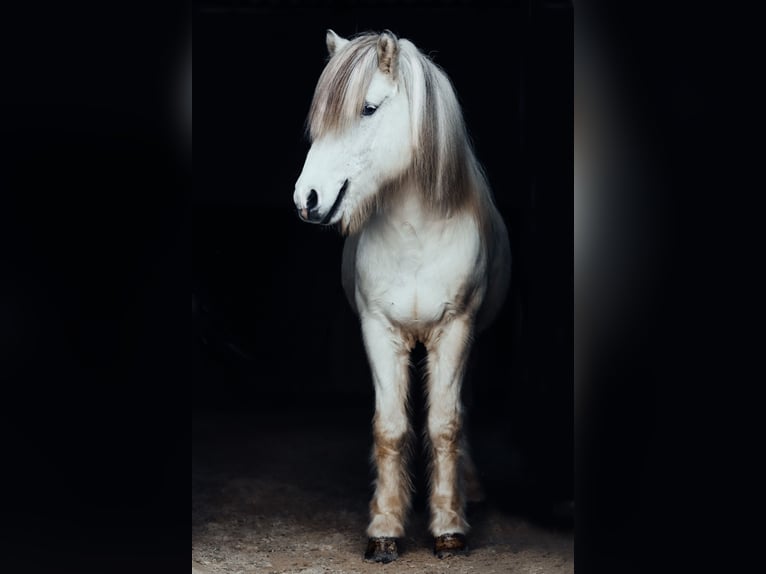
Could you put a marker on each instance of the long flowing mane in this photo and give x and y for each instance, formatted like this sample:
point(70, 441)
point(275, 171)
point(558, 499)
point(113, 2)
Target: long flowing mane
point(444, 166)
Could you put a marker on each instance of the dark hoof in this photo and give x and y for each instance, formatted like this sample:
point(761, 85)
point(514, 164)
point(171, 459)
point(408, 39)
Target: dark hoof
point(382, 550)
point(450, 545)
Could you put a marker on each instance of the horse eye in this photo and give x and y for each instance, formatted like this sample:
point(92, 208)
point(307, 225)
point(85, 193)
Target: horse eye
point(368, 109)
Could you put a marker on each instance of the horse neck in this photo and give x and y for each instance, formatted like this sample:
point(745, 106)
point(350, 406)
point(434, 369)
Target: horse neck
point(408, 215)
point(408, 205)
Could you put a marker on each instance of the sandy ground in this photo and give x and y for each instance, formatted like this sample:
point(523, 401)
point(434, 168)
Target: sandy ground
point(272, 497)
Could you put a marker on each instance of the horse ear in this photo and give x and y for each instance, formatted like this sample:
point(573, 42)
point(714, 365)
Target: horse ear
point(388, 52)
point(334, 42)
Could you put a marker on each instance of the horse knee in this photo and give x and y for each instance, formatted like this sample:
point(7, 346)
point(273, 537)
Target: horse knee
point(444, 434)
point(390, 437)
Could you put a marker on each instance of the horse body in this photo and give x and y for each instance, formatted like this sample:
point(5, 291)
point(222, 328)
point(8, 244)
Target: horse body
point(427, 257)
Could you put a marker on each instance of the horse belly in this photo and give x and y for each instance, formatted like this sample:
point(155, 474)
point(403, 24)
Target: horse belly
point(416, 279)
point(417, 303)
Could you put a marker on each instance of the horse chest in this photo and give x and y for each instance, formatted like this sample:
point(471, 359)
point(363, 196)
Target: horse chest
point(415, 277)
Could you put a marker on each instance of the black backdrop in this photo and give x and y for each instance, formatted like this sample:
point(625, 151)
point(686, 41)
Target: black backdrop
point(272, 328)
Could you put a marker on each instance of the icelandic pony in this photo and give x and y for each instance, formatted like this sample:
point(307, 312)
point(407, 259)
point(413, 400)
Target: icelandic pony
point(426, 259)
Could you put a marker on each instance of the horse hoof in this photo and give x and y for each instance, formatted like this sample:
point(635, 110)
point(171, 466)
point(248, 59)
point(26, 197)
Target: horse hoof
point(381, 549)
point(450, 545)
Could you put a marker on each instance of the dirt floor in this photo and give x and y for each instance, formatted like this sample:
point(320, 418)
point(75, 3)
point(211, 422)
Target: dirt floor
point(270, 496)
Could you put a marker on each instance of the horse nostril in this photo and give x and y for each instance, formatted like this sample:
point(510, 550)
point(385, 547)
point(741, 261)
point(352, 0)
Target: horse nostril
point(312, 200)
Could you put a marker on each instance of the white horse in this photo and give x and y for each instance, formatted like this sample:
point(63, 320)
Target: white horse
point(427, 257)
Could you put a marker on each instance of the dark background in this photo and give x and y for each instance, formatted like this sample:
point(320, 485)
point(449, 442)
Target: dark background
point(272, 328)
point(94, 232)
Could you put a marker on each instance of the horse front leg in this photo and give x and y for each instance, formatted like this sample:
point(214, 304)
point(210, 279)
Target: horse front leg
point(447, 357)
point(389, 362)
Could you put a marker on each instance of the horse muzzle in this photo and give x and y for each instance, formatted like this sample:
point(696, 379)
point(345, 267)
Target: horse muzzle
point(310, 209)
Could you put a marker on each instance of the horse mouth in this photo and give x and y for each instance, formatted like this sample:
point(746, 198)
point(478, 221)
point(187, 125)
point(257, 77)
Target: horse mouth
point(330, 214)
